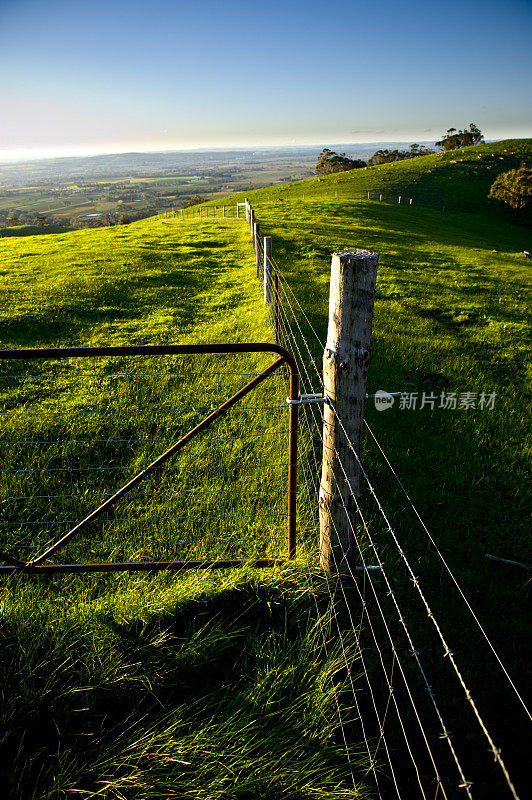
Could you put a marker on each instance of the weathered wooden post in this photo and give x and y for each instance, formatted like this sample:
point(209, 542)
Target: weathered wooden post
point(246, 201)
point(256, 246)
point(237, 211)
point(399, 199)
point(410, 201)
point(251, 222)
point(223, 211)
point(380, 197)
point(345, 370)
point(267, 269)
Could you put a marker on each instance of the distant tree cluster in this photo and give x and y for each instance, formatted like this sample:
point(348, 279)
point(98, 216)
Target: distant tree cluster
point(17, 216)
point(513, 188)
point(329, 161)
point(388, 156)
point(196, 200)
point(454, 139)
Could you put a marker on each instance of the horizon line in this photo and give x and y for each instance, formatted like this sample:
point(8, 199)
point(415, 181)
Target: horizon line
point(29, 158)
point(199, 149)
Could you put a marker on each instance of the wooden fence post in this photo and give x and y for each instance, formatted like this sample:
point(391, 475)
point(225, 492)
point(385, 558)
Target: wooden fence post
point(267, 269)
point(182, 215)
point(223, 211)
point(380, 197)
point(399, 199)
point(345, 369)
point(256, 246)
point(237, 211)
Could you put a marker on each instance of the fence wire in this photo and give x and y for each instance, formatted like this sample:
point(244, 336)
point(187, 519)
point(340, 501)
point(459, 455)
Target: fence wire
point(375, 631)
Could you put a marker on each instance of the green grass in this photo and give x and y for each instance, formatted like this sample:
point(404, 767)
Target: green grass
point(450, 315)
point(199, 686)
point(215, 686)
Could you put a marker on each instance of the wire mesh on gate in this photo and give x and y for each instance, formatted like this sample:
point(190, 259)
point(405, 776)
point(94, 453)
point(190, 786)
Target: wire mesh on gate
point(76, 426)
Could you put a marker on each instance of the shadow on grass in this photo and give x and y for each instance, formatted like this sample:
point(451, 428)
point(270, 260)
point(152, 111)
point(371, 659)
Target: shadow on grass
point(227, 689)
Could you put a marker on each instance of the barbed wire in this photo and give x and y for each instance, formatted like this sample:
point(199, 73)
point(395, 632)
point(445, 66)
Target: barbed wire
point(312, 411)
point(286, 291)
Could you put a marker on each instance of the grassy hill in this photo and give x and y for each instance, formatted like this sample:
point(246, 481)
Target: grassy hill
point(225, 686)
point(458, 180)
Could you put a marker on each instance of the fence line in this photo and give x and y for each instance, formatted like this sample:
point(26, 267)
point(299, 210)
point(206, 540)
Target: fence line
point(289, 335)
point(284, 309)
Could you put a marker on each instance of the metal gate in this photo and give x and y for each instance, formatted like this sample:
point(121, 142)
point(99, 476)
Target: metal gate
point(37, 563)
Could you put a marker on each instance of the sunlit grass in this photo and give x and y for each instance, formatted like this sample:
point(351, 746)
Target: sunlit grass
point(193, 686)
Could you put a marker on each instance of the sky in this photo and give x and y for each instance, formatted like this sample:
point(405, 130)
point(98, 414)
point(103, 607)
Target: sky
point(113, 76)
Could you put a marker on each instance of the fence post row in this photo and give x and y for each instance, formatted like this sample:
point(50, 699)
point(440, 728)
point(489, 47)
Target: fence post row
point(345, 368)
point(256, 246)
point(268, 270)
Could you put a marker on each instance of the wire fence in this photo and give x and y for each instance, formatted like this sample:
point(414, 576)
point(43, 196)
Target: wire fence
point(415, 688)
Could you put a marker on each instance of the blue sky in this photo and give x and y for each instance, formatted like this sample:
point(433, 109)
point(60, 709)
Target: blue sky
point(110, 76)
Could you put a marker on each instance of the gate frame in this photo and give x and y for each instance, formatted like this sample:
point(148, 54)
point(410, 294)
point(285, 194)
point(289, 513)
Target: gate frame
point(35, 566)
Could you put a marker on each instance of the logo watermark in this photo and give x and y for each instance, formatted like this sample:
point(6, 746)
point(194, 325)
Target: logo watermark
point(383, 400)
point(447, 401)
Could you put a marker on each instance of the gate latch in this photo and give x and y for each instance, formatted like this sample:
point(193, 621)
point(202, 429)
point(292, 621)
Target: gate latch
point(308, 398)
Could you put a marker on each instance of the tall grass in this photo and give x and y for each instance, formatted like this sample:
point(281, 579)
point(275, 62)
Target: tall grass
point(219, 686)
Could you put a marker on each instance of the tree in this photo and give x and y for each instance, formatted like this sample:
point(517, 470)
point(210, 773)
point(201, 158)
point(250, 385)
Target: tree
point(454, 139)
point(514, 188)
point(196, 200)
point(388, 156)
point(329, 161)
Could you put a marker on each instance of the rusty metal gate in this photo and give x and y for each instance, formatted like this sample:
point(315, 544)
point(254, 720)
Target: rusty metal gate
point(37, 564)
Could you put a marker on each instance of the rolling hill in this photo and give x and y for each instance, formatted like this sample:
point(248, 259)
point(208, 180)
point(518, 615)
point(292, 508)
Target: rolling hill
point(221, 686)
